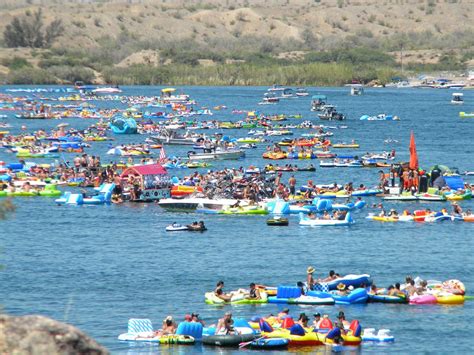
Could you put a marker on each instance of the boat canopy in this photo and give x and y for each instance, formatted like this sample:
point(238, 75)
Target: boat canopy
point(319, 97)
point(150, 177)
point(141, 170)
point(457, 94)
point(168, 90)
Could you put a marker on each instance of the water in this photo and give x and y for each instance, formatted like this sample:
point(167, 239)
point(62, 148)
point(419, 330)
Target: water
point(97, 266)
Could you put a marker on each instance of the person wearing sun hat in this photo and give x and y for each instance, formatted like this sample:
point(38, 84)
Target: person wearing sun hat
point(309, 277)
point(342, 289)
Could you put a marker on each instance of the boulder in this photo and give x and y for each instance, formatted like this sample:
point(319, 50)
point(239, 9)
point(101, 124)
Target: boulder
point(42, 335)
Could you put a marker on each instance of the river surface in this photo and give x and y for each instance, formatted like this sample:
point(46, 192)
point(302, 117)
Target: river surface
point(97, 266)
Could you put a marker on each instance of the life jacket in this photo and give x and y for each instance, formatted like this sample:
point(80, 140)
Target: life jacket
point(287, 323)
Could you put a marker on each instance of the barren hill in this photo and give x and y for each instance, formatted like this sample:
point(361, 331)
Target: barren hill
point(151, 32)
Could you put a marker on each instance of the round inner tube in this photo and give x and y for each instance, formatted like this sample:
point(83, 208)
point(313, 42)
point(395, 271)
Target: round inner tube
point(277, 222)
point(231, 340)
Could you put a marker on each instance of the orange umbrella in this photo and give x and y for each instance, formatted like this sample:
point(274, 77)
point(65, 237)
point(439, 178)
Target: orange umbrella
point(413, 154)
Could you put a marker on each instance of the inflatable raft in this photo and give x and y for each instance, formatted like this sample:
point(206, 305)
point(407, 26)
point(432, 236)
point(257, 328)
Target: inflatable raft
point(387, 299)
point(310, 338)
point(305, 221)
point(231, 340)
point(269, 343)
point(238, 298)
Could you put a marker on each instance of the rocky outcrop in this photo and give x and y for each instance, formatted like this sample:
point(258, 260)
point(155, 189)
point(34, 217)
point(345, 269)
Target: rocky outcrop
point(42, 335)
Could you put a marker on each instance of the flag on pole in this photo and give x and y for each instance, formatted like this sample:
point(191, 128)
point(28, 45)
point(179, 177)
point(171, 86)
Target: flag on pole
point(162, 155)
point(413, 153)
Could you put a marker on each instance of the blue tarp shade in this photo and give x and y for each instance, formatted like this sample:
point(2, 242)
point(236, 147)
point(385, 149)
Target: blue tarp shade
point(454, 182)
point(319, 97)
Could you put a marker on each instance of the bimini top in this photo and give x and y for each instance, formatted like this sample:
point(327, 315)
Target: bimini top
point(458, 94)
point(168, 90)
point(319, 97)
point(149, 169)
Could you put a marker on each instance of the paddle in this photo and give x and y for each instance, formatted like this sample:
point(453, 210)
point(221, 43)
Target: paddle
point(243, 345)
point(469, 298)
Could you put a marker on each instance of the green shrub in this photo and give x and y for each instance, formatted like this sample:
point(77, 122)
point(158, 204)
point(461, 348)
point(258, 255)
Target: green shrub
point(30, 76)
point(15, 63)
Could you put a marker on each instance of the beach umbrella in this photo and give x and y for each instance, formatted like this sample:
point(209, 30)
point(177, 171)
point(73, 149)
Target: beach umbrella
point(413, 154)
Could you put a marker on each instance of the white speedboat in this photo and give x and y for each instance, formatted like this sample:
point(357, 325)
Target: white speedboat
point(217, 154)
point(193, 203)
point(301, 92)
point(107, 90)
point(458, 98)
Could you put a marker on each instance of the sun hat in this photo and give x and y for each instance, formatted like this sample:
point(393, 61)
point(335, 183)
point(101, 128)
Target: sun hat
point(341, 286)
point(310, 270)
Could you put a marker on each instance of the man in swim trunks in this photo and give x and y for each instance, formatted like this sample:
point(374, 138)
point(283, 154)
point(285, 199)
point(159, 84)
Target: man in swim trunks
point(225, 325)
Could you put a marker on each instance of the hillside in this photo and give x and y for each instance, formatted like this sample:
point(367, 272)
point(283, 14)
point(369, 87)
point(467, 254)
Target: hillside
point(99, 35)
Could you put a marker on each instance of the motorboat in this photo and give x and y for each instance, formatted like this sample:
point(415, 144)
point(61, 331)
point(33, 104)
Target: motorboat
point(380, 117)
point(457, 98)
point(318, 102)
point(357, 89)
point(218, 153)
point(107, 90)
point(172, 138)
point(168, 96)
point(301, 92)
point(329, 113)
point(269, 98)
point(193, 203)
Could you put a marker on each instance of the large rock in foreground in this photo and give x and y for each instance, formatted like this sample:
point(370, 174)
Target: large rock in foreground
point(41, 335)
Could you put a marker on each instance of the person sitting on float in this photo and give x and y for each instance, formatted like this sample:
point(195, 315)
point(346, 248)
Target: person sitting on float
point(309, 277)
point(254, 293)
point(326, 215)
point(332, 276)
point(342, 289)
point(219, 292)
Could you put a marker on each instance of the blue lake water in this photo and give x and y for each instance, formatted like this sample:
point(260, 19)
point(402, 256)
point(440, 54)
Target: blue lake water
point(97, 266)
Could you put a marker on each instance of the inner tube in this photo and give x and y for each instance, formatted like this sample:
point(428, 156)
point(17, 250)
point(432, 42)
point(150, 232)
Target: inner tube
point(196, 228)
point(227, 340)
point(277, 222)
